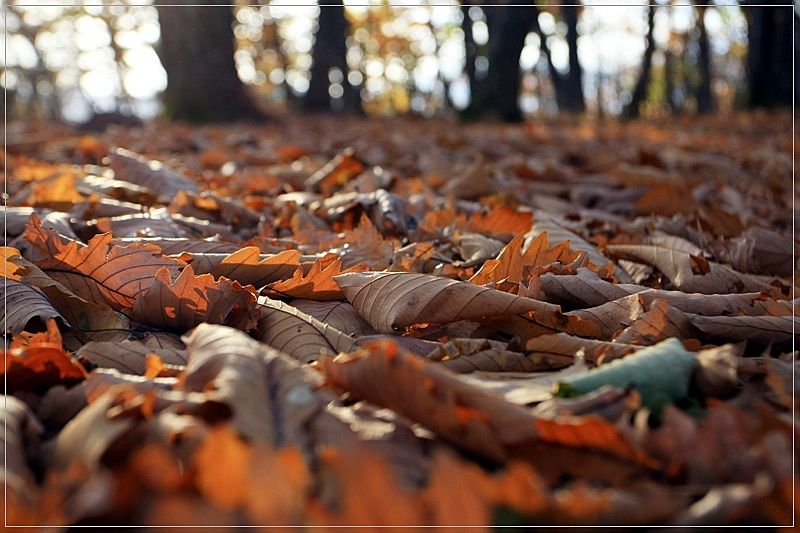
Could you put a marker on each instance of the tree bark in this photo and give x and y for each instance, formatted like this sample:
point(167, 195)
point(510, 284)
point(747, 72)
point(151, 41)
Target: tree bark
point(769, 59)
point(705, 103)
point(196, 50)
point(330, 52)
point(572, 86)
point(640, 92)
point(498, 94)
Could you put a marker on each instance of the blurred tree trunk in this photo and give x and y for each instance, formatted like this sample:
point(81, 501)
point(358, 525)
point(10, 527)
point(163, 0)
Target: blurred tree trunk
point(769, 59)
point(498, 94)
point(469, 47)
point(569, 86)
point(196, 50)
point(330, 52)
point(705, 104)
point(640, 92)
point(571, 90)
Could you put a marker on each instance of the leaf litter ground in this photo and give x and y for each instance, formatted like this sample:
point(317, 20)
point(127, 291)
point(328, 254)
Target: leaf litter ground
point(336, 321)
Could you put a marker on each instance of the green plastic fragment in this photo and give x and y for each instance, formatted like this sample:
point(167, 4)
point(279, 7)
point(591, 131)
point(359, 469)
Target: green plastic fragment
point(660, 373)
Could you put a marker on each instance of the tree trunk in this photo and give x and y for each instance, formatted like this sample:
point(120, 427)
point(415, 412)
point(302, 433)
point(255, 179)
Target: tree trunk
point(704, 102)
point(572, 86)
point(498, 94)
point(769, 59)
point(330, 52)
point(640, 92)
point(196, 50)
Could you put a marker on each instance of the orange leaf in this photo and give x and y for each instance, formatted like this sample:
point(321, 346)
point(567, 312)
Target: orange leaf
point(42, 363)
point(501, 220)
point(472, 417)
point(101, 271)
point(191, 300)
point(318, 284)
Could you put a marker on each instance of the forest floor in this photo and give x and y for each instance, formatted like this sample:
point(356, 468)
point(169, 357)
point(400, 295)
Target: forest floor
point(339, 321)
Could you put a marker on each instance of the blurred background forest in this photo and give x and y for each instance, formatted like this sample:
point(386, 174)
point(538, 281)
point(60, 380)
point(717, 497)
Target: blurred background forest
point(75, 61)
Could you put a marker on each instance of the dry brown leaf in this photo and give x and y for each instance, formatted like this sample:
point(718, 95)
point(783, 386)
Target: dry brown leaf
point(24, 304)
point(366, 491)
point(472, 418)
point(690, 273)
point(364, 245)
point(89, 435)
point(190, 300)
point(229, 368)
point(560, 349)
point(297, 334)
point(128, 357)
point(20, 441)
point(100, 272)
point(95, 320)
point(247, 265)
point(760, 330)
point(339, 315)
point(394, 300)
point(659, 323)
point(584, 289)
point(482, 355)
point(317, 284)
point(558, 234)
point(500, 221)
point(11, 270)
point(153, 175)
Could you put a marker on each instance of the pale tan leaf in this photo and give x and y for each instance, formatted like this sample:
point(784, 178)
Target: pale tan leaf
point(23, 304)
point(339, 315)
point(558, 234)
point(229, 368)
point(482, 355)
point(394, 300)
point(560, 349)
point(297, 334)
point(691, 273)
point(475, 248)
point(176, 247)
point(761, 330)
point(127, 357)
point(134, 168)
point(247, 265)
point(584, 289)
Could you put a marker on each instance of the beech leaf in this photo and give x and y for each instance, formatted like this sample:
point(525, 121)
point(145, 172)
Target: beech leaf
point(394, 300)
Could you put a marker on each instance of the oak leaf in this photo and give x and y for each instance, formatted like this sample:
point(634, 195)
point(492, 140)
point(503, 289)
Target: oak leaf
point(189, 300)
point(100, 271)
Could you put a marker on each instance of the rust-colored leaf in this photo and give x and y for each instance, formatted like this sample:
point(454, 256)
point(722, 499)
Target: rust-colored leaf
point(41, 363)
point(99, 271)
point(317, 284)
point(247, 265)
point(386, 375)
point(189, 300)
